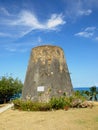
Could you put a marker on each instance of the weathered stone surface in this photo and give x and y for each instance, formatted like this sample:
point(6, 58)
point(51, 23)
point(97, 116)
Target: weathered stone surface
point(47, 74)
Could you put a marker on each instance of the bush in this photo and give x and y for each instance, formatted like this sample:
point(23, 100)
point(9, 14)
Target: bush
point(58, 103)
point(55, 103)
point(31, 106)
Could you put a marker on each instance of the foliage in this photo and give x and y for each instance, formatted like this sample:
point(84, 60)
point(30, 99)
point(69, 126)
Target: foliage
point(55, 103)
point(79, 95)
point(92, 93)
point(58, 103)
point(31, 106)
point(76, 100)
point(8, 87)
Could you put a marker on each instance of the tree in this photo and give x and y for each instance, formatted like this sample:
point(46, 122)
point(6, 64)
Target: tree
point(93, 93)
point(8, 87)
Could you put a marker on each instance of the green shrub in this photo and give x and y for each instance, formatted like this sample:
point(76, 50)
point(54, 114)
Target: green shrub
point(55, 103)
point(44, 106)
point(58, 103)
point(78, 95)
point(31, 106)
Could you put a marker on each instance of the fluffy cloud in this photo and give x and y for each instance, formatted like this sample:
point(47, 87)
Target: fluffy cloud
point(54, 21)
point(26, 18)
point(24, 22)
point(87, 32)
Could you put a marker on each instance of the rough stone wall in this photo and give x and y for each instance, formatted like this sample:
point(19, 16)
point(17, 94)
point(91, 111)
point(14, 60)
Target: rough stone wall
point(47, 74)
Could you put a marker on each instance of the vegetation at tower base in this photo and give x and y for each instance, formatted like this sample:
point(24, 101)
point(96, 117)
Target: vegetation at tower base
point(55, 103)
point(47, 75)
point(9, 87)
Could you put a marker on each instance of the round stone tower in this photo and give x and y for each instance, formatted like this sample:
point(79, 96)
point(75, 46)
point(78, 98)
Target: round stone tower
point(47, 74)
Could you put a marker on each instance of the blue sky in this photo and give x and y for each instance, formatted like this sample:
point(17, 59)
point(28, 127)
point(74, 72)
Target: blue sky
point(70, 24)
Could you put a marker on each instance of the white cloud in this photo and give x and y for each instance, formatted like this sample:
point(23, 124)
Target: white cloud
point(77, 8)
point(4, 34)
point(84, 12)
point(90, 29)
point(16, 49)
point(39, 39)
point(24, 22)
point(96, 38)
point(91, 3)
point(87, 32)
point(26, 18)
point(11, 49)
point(54, 21)
point(4, 11)
point(84, 34)
point(23, 50)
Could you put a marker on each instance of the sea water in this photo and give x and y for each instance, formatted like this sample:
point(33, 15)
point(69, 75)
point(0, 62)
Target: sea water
point(83, 88)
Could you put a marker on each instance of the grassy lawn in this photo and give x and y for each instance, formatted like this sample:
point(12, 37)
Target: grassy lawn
point(73, 119)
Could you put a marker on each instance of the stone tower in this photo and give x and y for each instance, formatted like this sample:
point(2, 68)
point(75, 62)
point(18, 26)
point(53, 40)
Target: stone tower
point(47, 74)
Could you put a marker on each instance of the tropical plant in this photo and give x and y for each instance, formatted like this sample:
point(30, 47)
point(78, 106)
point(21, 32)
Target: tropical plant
point(93, 93)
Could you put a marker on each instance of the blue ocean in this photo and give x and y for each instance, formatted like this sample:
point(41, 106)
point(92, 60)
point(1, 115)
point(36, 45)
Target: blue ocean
point(83, 88)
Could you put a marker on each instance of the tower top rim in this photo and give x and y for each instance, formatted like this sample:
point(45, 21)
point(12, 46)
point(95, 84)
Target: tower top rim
point(47, 46)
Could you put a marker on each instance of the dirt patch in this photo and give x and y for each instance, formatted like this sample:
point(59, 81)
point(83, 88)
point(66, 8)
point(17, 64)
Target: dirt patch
point(2, 105)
